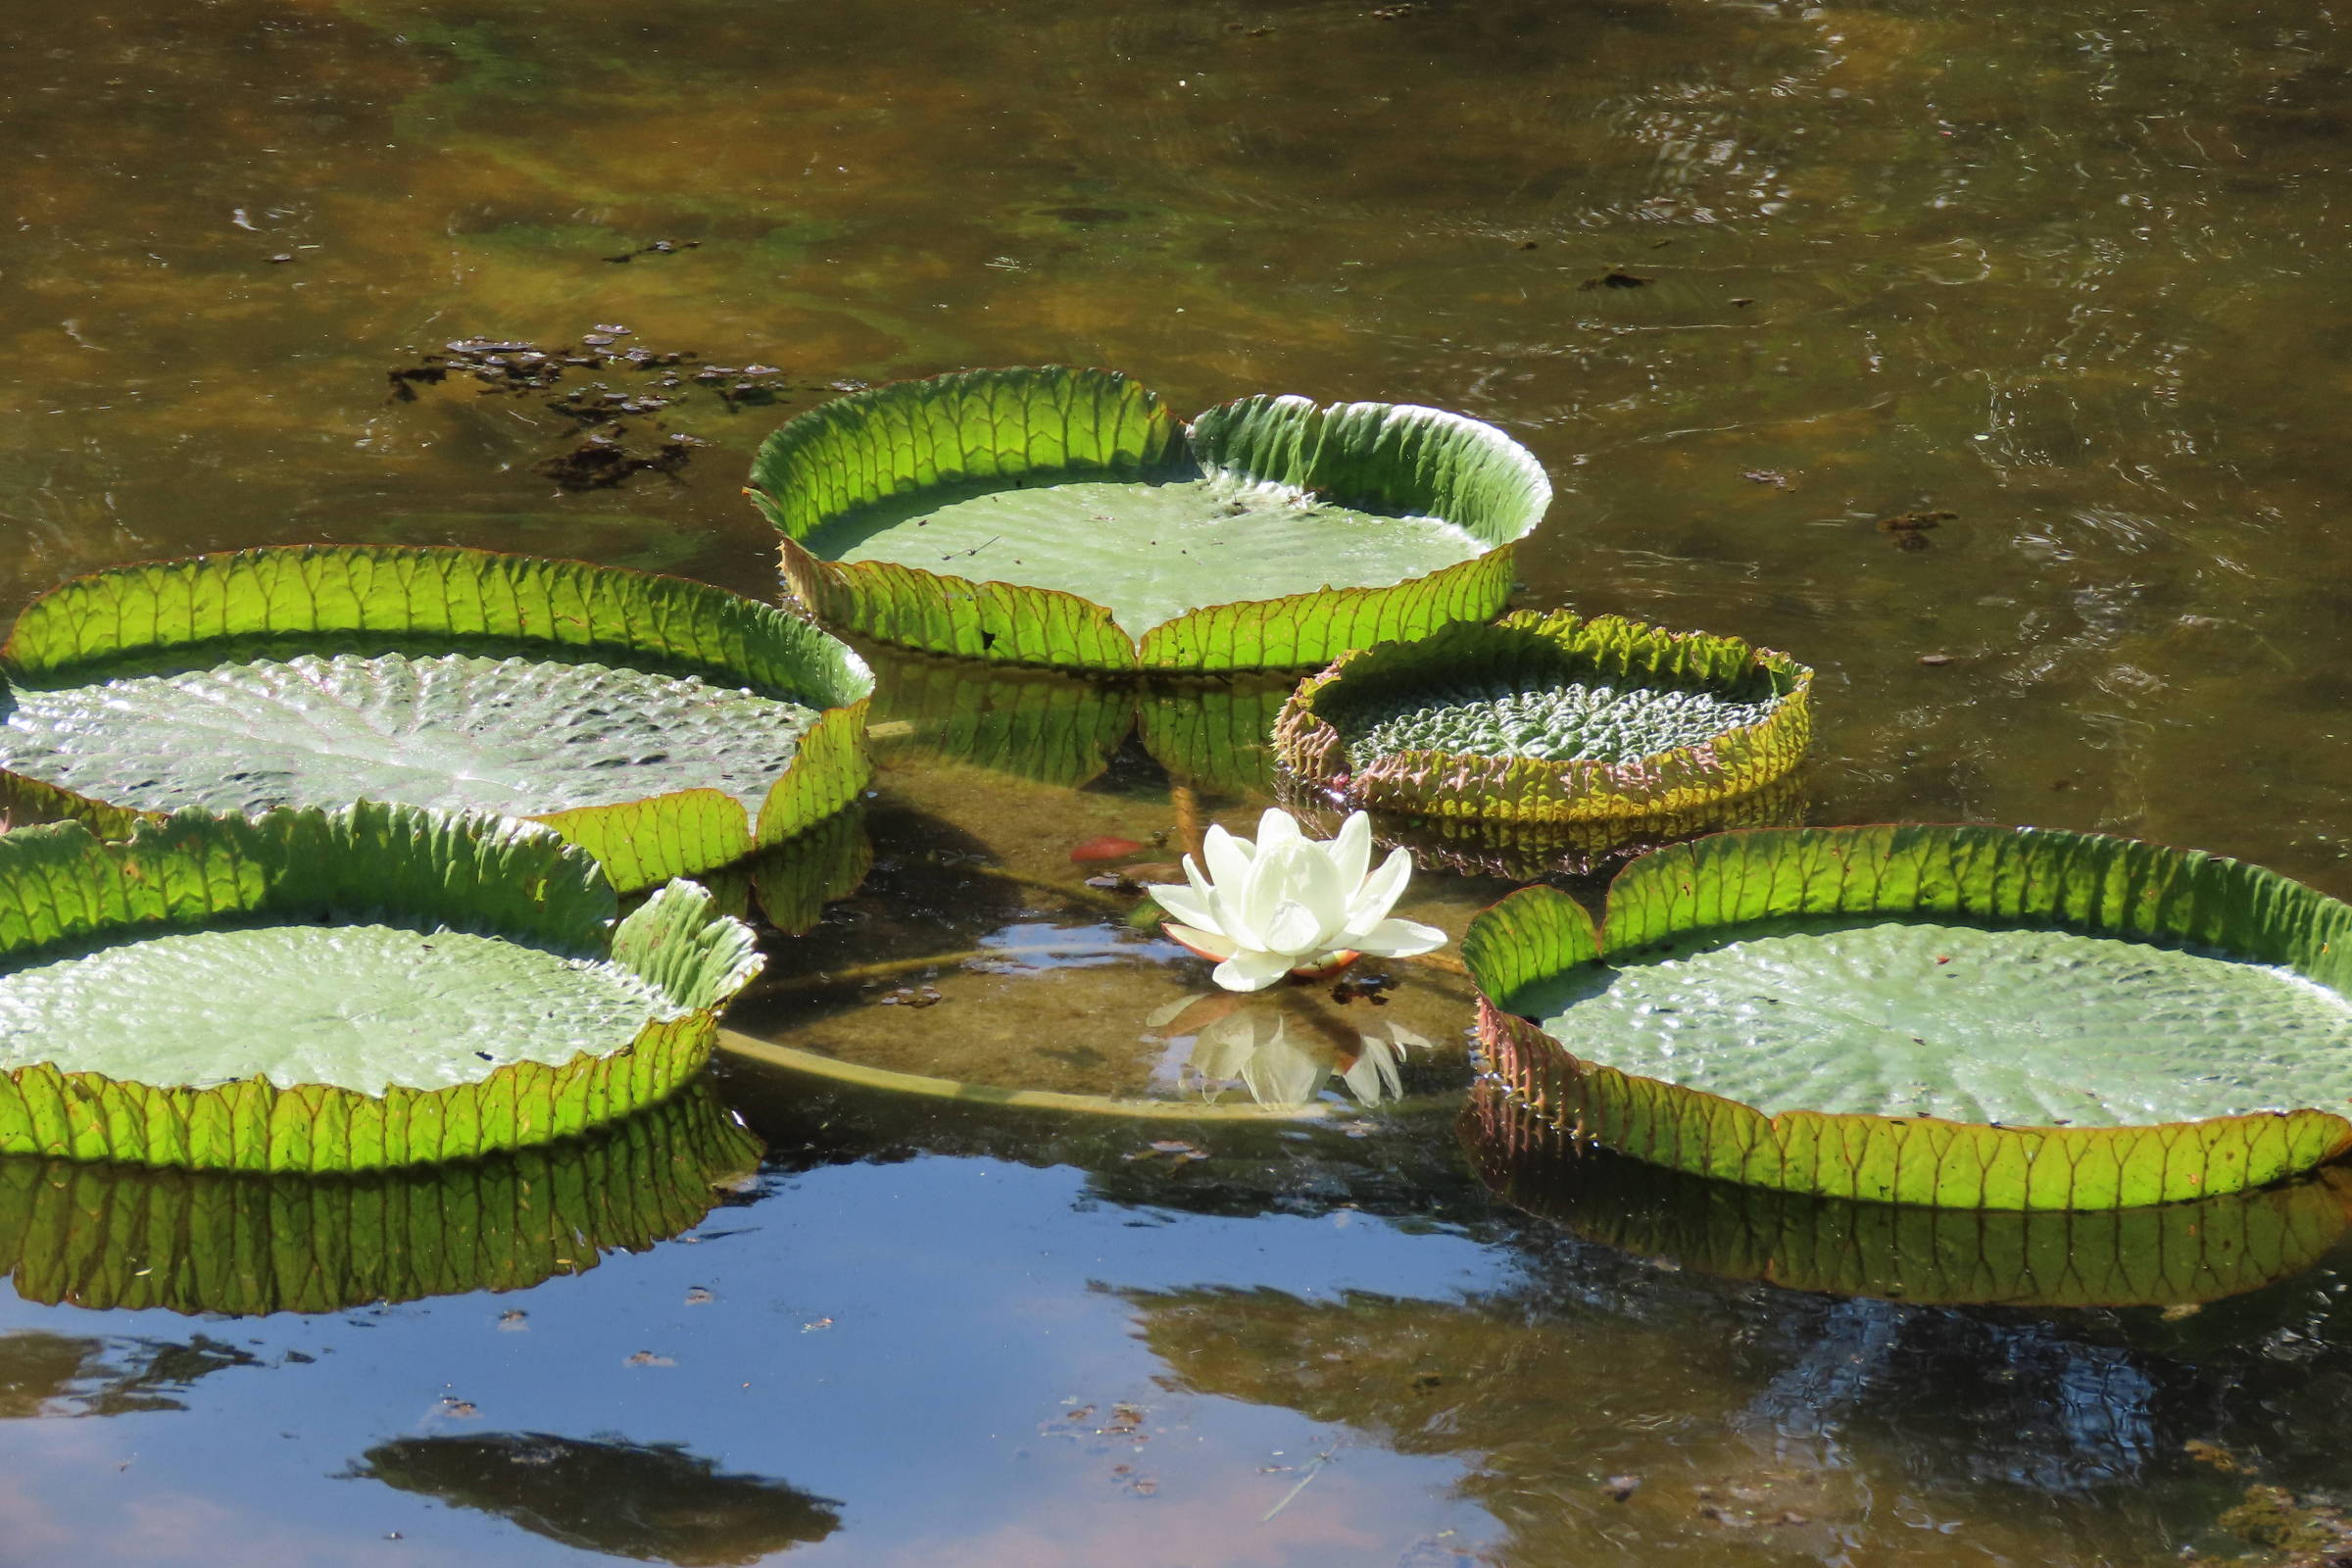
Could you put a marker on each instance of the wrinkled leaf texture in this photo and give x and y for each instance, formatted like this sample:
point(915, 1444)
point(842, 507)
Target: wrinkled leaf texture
point(1530, 651)
point(273, 602)
point(1998, 876)
point(60, 886)
point(1058, 423)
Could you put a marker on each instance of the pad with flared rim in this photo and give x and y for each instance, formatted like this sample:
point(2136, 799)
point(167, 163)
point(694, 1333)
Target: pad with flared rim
point(1549, 721)
point(1062, 517)
point(376, 985)
point(1866, 1053)
point(666, 726)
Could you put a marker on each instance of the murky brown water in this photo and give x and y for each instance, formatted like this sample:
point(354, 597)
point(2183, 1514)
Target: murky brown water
point(2072, 273)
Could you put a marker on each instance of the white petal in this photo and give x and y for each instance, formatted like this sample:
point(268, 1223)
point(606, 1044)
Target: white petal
point(1352, 852)
point(1182, 904)
point(1191, 874)
point(1250, 971)
point(1277, 827)
point(1380, 891)
point(1398, 938)
point(1227, 857)
point(1296, 929)
point(1317, 885)
point(1225, 905)
point(1267, 890)
point(1211, 944)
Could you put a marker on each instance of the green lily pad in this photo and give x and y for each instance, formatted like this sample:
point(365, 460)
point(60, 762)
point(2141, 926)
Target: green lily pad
point(666, 726)
point(2166, 1255)
point(330, 991)
point(1974, 1017)
point(106, 1235)
point(1064, 517)
point(1578, 728)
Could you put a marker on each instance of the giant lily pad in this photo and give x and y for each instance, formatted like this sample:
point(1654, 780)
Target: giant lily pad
point(1549, 722)
point(2166, 1254)
point(666, 726)
point(334, 991)
point(1973, 1018)
point(1065, 517)
point(101, 1235)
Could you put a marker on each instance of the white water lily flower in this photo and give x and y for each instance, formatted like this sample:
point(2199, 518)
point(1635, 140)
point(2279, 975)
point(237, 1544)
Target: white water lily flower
point(1289, 901)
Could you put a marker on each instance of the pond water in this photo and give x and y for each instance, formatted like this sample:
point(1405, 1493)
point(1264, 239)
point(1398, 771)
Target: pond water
point(2065, 280)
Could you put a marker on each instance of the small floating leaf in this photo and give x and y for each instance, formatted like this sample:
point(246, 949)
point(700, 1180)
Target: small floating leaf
point(1549, 722)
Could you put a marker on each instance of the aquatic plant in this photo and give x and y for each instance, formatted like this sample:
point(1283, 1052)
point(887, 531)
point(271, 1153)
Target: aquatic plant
point(1290, 904)
point(1064, 517)
point(1966, 1016)
point(1548, 721)
point(1532, 851)
point(666, 726)
point(376, 985)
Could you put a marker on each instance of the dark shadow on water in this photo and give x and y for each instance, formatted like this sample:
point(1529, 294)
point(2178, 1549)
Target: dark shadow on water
point(650, 1503)
point(44, 1374)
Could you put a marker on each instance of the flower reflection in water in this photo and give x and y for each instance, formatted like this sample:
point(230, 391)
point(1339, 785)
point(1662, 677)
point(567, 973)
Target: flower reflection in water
point(1283, 1049)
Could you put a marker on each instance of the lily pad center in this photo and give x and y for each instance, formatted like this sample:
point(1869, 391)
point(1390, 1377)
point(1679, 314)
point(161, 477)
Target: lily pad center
point(355, 1006)
point(454, 731)
point(1147, 551)
point(1917, 1018)
point(1596, 720)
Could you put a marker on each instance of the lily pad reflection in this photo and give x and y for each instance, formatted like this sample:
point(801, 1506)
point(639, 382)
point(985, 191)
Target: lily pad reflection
point(1210, 732)
point(2168, 1255)
point(650, 1503)
point(790, 884)
point(119, 1236)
